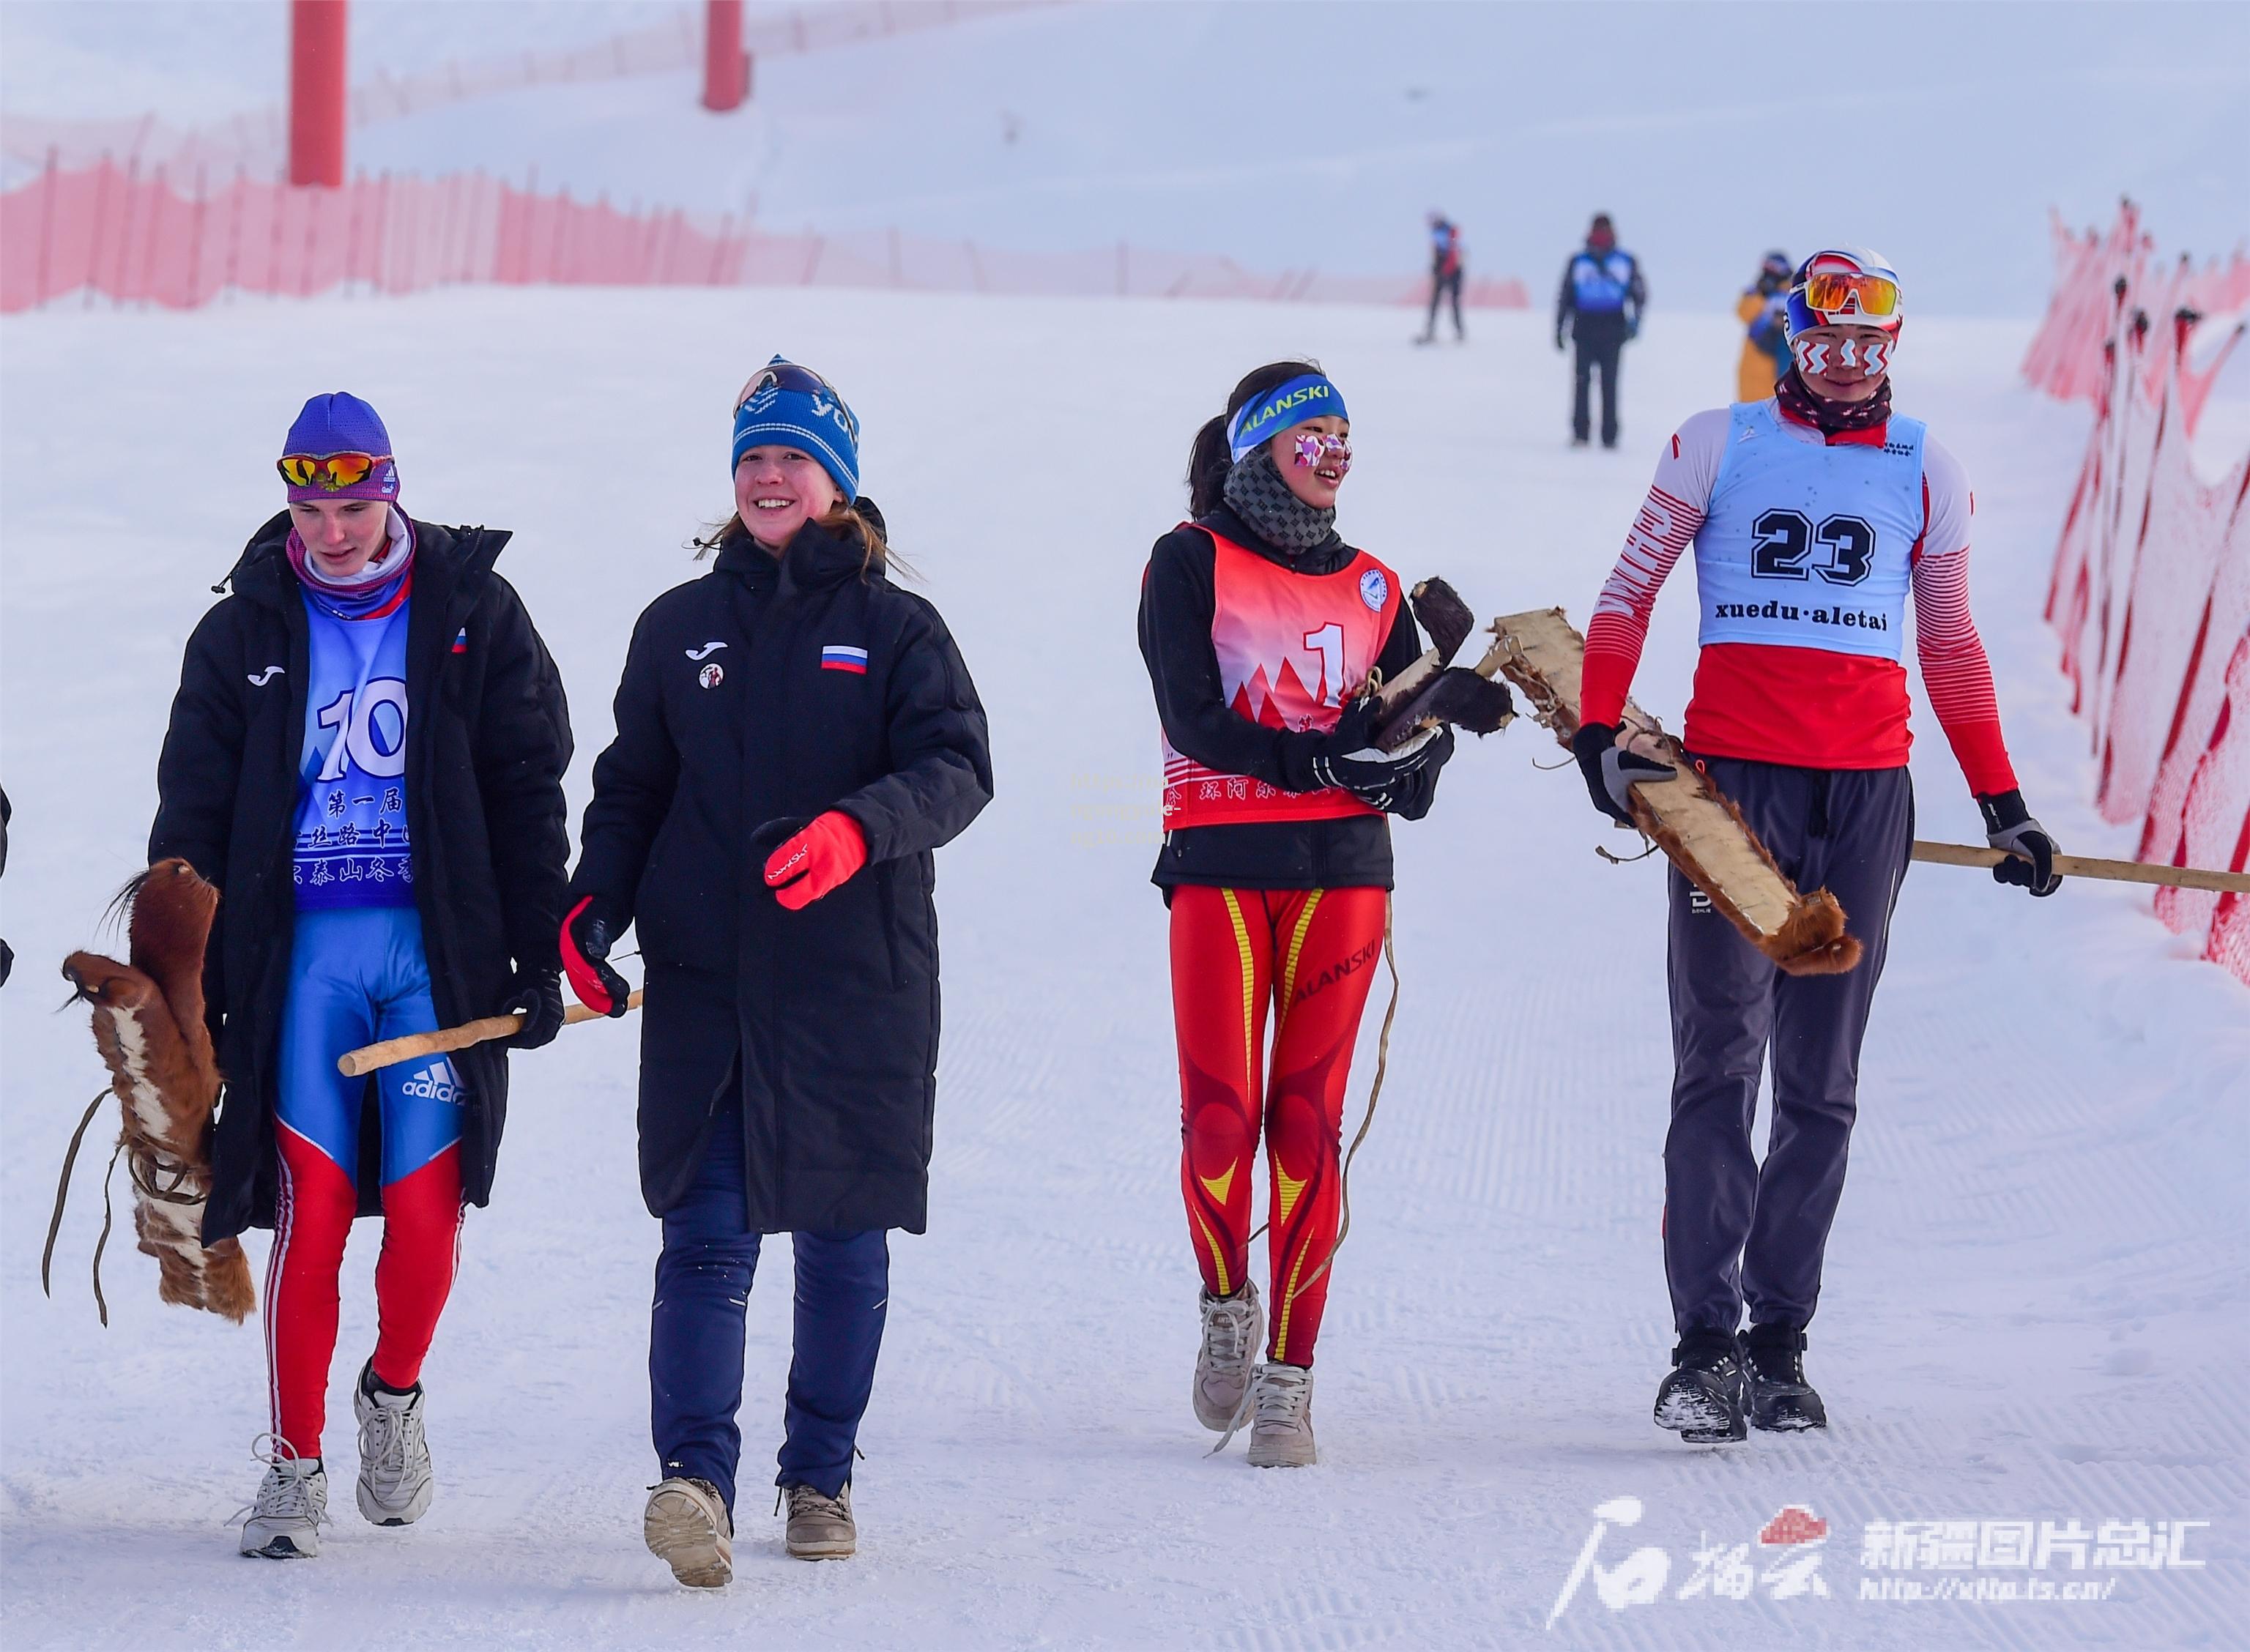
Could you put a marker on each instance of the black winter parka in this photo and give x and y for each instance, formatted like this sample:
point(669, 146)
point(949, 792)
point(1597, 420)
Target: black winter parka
point(487, 740)
point(739, 711)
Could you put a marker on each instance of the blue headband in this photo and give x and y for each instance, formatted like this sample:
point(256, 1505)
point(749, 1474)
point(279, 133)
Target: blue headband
point(1311, 396)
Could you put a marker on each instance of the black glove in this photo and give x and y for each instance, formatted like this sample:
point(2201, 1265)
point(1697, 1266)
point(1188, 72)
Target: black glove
point(588, 934)
point(1347, 756)
point(1611, 770)
point(535, 994)
point(1417, 789)
point(2009, 825)
point(1558, 338)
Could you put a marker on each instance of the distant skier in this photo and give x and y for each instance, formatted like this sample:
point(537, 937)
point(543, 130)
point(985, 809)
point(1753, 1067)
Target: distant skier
point(366, 756)
point(1598, 308)
point(794, 735)
point(1764, 310)
point(1260, 626)
point(1813, 514)
point(1445, 270)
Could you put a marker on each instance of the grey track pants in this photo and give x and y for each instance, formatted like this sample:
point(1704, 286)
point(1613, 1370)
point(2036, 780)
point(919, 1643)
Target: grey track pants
point(1738, 1232)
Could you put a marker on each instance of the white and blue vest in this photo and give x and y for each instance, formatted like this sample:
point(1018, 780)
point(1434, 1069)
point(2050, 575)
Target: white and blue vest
point(1600, 281)
point(351, 847)
point(1811, 546)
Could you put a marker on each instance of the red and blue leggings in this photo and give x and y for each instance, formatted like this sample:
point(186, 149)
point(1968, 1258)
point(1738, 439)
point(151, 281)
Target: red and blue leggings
point(1308, 956)
point(357, 974)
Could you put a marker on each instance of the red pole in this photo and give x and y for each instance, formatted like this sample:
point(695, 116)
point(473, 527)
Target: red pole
point(318, 96)
point(726, 75)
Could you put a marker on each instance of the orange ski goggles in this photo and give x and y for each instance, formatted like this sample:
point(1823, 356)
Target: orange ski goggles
point(332, 471)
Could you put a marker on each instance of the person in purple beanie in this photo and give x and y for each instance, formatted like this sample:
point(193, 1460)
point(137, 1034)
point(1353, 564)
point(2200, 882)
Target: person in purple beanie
point(366, 756)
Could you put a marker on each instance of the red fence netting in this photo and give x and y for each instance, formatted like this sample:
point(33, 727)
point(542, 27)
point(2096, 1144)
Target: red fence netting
point(181, 237)
point(2150, 591)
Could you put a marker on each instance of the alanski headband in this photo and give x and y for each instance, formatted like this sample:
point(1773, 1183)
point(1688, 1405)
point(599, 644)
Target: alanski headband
point(1309, 396)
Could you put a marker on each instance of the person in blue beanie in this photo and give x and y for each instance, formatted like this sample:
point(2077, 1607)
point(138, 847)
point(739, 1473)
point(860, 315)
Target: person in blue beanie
point(366, 756)
point(796, 734)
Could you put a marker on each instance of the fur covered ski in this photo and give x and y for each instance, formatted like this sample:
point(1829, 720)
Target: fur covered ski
point(1688, 817)
point(148, 1024)
point(1433, 690)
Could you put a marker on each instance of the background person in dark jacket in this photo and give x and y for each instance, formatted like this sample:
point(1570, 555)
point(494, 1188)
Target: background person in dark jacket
point(366, 756)
point(794, 735)
point(1260, 625)
point(1599, 306)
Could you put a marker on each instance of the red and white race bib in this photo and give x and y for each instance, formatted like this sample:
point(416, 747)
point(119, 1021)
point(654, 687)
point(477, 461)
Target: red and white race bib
point(1291, 647)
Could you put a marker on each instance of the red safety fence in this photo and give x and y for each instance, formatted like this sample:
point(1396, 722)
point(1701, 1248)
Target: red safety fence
point(182, 239)
point(2150, 591)
point(257, 140)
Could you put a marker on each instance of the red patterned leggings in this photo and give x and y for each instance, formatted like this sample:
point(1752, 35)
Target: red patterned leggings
point(1308, 955)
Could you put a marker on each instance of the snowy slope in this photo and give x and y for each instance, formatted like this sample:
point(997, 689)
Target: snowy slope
point(1297, 136)
point(2037, 1298)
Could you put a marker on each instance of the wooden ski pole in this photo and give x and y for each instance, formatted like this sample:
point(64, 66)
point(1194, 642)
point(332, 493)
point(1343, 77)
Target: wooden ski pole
point(357, 1064)
point(2118, 872)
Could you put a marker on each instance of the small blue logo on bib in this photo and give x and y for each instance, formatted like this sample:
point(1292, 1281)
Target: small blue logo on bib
point(1374, 589)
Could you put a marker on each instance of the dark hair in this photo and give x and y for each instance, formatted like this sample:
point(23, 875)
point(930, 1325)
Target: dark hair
point(1210, 460)
point(875, 552)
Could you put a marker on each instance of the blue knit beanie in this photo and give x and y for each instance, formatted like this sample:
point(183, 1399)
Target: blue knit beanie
point(790, 406)
point(340, 423)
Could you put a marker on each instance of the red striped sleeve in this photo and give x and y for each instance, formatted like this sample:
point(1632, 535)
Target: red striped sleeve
point(1956, 673)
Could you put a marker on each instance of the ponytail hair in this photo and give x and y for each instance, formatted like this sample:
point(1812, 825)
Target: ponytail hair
point(1210, 459)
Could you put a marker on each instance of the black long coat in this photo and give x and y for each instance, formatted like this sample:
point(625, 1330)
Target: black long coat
point(488, 740)
point(824, 1020)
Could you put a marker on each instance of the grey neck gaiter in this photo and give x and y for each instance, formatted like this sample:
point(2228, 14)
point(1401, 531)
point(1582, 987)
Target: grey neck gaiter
point(1261, 498)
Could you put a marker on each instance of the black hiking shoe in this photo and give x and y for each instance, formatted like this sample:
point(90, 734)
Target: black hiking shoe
point(1701, 1401)
point(1780, 1399)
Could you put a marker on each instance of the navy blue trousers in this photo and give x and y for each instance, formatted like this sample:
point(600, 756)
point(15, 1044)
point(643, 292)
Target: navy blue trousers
point(696, 1331)
point(1740, 1230)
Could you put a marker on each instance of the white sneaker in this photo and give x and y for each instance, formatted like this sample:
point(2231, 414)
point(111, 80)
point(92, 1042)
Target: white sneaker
point(1233, 1327)
point(821, 1528)
point(394, 1482)
point(1281, 1435)
point(686, 1526)
point(293, 1505)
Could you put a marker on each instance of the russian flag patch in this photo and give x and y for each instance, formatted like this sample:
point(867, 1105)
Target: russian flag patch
point(461, 641)
point(841, 657)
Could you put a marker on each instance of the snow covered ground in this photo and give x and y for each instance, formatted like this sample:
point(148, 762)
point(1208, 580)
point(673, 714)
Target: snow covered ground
point(2037, 1304)
point(1301, 136)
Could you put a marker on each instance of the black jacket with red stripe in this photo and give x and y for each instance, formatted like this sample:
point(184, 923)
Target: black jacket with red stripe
point(1179, 601)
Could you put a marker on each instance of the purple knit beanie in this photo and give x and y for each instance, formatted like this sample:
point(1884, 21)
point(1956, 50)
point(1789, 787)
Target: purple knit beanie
point(340, 423)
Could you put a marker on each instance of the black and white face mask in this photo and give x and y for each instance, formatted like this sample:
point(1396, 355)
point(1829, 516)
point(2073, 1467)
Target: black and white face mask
point(1261, 498)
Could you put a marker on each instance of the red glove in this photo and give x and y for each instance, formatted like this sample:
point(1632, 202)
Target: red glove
point(588, 934)
point(818, 858)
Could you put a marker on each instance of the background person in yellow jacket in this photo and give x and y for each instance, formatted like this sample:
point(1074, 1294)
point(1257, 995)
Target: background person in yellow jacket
point(1763, 308)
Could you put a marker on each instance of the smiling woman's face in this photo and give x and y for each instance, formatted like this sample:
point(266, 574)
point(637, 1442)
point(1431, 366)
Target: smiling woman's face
point(1314, 471)
point(778, 489)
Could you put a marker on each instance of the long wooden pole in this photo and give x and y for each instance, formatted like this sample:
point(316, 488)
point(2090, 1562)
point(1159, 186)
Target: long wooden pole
point(357, 1064)
point(2118, 872)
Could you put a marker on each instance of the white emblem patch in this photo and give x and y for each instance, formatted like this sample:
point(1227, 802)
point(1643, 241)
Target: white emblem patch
point(1374, 588)
point(712, 675)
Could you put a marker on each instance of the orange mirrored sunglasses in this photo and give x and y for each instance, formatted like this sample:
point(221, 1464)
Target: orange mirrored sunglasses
point(334, 471)
point(1838, 293)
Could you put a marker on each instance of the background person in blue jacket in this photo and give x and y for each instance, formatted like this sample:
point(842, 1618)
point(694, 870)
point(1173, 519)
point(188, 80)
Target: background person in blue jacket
point(794, 735)
point(1599, 307)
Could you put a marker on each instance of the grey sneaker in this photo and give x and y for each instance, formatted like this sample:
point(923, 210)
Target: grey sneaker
point(293, 1505)
point(1281, 1433)
point(821, 1528)
point(394, 1482)
point(686, 1526)
point(1233, 1327)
